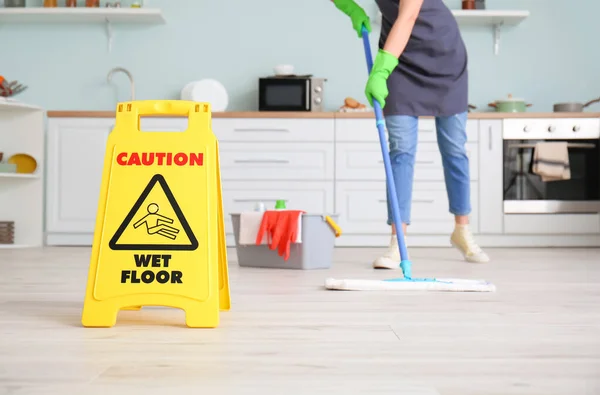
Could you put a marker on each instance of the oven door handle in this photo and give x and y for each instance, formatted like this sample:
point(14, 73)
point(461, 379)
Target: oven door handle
point(569, 145)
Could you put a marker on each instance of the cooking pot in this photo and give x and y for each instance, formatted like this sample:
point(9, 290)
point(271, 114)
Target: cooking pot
point(510, 104)
point(573, 106)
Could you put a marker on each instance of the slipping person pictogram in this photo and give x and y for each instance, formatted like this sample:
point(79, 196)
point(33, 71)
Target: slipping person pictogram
point(154, 223)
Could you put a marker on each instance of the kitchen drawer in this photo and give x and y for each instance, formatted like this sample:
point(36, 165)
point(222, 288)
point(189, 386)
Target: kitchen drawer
point(363, 210)
point(551, 224)
point(360, 161)
point(276, 161)
point(550, 128)
point(253, 129)
point(273, 129)
point(365, 130)
point(312, 197)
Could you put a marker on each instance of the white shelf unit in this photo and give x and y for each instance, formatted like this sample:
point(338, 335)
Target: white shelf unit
point(495, 18)
point(22, 195)
point(83, 15)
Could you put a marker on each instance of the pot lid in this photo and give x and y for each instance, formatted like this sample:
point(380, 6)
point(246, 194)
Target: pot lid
point(510, 99)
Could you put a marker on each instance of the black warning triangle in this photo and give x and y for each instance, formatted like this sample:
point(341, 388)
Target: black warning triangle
point(157, 178)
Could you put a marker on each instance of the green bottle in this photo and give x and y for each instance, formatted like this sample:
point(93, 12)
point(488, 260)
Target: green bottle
point(280, 205)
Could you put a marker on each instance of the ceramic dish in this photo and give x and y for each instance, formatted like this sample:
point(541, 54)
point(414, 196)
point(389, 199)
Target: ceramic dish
point(25, 163)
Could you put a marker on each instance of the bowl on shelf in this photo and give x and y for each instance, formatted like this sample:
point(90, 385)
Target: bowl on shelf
point(26, 164)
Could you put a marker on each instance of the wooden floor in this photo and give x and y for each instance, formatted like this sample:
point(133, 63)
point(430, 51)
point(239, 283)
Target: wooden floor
point(539, 334)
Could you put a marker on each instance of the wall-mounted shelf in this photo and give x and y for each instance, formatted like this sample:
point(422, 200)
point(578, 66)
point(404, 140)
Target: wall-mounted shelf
point(83, 15)
point(495, 18)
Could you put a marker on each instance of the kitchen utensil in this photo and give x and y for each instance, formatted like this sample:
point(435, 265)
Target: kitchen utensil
point(573, 106)
point(26, 164)
point(10, 88)
point(207, 90)
point(510, 104)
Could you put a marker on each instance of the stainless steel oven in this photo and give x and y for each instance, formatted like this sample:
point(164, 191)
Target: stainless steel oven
point(526, 192)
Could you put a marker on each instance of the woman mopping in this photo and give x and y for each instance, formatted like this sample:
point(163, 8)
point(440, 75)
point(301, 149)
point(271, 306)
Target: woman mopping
point(421, 70)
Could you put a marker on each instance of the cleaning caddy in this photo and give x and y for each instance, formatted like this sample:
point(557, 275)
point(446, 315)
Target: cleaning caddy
point(285, 239)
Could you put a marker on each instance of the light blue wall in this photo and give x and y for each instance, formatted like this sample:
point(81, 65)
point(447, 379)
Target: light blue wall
point(551, 57)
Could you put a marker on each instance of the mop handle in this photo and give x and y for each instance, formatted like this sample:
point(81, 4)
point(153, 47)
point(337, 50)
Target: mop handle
point(387, 162)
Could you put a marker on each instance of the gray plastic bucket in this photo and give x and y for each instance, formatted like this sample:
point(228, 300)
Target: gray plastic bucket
point(315, 251)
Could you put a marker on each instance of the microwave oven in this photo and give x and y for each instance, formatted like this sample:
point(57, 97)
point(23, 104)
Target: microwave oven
point(291, 93)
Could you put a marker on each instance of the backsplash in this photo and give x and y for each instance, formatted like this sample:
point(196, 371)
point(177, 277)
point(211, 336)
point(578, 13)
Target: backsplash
point(550, 57)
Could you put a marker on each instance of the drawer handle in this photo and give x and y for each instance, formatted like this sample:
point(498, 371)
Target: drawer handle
point(421, 162)
point(261, 161)
point(257, 200)
point(413, 201)
point(261, 130)
point(423, 201)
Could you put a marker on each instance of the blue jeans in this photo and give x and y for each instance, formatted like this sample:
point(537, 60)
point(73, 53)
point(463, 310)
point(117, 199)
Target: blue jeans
point(451, 138)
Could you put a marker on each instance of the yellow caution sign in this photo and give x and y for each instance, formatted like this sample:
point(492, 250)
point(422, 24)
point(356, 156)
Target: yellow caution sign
point(159, 238)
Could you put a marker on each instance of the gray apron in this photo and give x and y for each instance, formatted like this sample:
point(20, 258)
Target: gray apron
point(431, 78)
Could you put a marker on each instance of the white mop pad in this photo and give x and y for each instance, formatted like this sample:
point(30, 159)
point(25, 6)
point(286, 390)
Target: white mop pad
point(438, 284)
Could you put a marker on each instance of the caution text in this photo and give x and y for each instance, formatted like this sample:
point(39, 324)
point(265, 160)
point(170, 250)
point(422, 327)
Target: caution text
point(150, 276)
point(160, 159)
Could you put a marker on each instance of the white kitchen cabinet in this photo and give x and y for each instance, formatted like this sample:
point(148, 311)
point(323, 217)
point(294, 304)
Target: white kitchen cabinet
point(276, 161)
point(291, 160)
point(491, 209)
point(322, 165)
point(363, 208)
point(76, 148)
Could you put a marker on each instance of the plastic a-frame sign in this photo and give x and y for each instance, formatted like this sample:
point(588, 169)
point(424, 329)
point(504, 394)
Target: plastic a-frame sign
point(159, 238)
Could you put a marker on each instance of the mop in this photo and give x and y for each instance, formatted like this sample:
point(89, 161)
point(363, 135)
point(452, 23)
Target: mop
point(408, 283)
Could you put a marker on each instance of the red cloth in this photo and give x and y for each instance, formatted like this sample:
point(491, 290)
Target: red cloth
point(281, 229)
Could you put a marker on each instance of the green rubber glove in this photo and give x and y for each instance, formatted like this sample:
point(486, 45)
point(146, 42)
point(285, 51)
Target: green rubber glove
point(358, 16)
point(376, 87)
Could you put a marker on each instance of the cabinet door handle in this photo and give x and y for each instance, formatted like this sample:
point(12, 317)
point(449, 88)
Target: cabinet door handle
point(260, 130)
point(490, 137)
point(422, 162)
point(423, 201)
point(261, 161)
point(257, 200)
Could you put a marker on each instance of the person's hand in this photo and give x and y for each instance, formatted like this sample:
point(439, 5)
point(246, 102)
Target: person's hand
point(376, 87)
point(357, 15)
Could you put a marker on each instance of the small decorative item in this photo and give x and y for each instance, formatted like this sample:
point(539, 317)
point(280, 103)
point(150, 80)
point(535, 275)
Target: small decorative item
point(50, 3)
point(71, 3)
point(468, 4)
point(92, 3)
point(480, 4)
point(7, 232)
point(136, 4)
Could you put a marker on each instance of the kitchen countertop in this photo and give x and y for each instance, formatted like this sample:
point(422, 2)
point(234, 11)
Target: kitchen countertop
point(329, 115)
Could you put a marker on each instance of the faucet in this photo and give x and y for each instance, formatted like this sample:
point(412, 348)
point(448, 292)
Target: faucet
point(114, 70)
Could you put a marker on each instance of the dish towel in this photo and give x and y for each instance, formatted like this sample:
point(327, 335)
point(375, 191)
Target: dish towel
point(250, 224)
point(551, 161)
